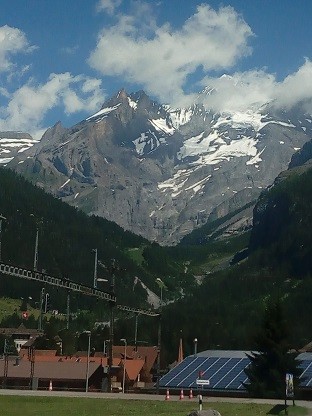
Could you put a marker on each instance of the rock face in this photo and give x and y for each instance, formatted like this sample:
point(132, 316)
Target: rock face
point(208, 412)
point(162, 172)
point(282, 217)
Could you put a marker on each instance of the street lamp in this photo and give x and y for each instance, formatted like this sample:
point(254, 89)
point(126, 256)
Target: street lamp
point(46, 302)
point(195, 346)
point(1, 219)
point(88, 359)
point(124, 366)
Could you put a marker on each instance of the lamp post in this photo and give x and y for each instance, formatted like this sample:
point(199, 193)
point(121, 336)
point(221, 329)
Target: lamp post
point(88, 359)
point(124, 365)
point(195, 346)
point(1, 219)
point(46, 302)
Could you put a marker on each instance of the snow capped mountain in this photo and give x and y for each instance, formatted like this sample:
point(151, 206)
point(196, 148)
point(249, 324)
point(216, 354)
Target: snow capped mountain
point(12, 143)
point(161, 172)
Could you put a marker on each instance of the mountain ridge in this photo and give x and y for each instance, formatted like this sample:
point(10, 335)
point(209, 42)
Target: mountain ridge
point(162, 172)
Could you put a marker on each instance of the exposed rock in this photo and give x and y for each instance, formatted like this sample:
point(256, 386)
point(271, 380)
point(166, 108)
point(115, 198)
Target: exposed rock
point(160, 172)
point(208, 412)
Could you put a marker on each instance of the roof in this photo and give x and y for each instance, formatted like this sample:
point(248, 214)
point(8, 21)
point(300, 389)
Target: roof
point(223, 353)
point(49, 370)
point(148, 354)
point(30, 342)
point(133, 368)
point(21, 330)
point(222, 370)
point(307, 348)
point(50, 353)
point(70, 358)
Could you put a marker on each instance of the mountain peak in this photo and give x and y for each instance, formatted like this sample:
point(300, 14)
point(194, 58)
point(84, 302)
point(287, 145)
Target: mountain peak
point(122, 94)
point(162, 172)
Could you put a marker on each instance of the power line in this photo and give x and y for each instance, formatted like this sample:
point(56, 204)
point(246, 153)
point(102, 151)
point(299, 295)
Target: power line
point(55, 281)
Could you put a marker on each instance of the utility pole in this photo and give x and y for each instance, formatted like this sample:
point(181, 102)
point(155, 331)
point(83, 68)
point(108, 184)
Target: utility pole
point(111, 328)
point(31, 357)
point(159, 349)
point(68, 310)
point(161, 286)
point(47, 296)
point(88, 360)
point(1, 219)
point(136, 332)
point(42, 298)
point(95, 267)
point(6, 364)
point(36, 249)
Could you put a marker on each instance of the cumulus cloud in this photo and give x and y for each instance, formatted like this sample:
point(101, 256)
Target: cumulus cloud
point(161, 58)
point(240, 91)
point(296, 88)
point(108, 6)
point(28, 105)
point(12, 41)
point(250, 90)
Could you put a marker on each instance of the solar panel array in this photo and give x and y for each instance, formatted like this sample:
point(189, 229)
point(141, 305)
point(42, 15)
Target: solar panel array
point(306, 366)
point(223, 372)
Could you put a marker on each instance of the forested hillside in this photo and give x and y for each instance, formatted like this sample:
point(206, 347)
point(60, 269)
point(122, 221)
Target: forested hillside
point(67, 238)
point(225, 311)
point(216, 301)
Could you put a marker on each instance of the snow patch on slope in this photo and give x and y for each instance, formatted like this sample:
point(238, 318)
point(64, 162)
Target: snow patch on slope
point(104, 112)
point(161, 125)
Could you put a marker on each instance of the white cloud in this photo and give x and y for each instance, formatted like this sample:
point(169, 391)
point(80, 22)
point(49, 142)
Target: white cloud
point(162, 59)
point(296, 88)
point(12, 41)
point(108, 6)
point(28, 105)
point(240, 91)
point(247, 90)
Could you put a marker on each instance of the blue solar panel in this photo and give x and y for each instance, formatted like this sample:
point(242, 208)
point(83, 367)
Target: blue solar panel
point(200, 365)
point(224, 370)
point(174, 372)
point(183, 374)
point(235, 366)
point(306, 375)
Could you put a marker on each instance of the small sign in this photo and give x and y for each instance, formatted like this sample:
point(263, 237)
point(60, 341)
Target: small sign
point(203, 382)
point(25, 315)
point(289, 385)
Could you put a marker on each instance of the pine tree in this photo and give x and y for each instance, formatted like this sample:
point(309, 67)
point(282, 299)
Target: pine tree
point(273, 358)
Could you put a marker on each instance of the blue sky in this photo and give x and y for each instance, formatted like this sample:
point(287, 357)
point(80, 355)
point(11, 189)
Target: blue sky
point(60, 59)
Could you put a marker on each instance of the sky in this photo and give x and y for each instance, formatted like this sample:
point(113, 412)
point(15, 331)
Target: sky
point(61, 59)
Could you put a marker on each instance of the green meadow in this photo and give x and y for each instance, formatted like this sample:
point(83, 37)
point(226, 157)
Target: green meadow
point(59, 406)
